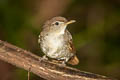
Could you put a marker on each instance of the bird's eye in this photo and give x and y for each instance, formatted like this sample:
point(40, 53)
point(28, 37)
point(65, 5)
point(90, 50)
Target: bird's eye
point(57, 23)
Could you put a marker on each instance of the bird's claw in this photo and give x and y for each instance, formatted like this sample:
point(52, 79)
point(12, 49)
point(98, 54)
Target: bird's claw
point(43, 58)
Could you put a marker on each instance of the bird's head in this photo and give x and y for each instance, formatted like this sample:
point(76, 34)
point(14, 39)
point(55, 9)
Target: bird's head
point(57, 24)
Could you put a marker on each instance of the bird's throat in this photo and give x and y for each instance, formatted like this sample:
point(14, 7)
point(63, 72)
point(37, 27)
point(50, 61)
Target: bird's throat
point(61, 30)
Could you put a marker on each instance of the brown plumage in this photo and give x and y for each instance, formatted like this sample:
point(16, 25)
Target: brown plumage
point(73, 61)
point(56, 41)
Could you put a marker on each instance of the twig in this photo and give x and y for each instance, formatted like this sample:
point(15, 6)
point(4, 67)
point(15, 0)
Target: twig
point(29, 73)
point(43, 68)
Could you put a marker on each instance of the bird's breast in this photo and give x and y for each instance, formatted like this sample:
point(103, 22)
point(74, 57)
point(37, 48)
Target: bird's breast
point(55, 47)
point(55, 41)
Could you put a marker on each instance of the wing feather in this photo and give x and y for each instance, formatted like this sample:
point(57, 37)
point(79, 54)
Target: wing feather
point(70, 42)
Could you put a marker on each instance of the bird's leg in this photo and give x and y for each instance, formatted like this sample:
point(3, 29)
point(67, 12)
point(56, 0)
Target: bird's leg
point(63, 63)
point(43, 58)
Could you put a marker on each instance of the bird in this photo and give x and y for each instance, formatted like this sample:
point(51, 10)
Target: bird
point(56, 41)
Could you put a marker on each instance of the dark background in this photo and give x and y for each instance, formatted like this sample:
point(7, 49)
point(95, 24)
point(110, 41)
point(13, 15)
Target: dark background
point(96, 33)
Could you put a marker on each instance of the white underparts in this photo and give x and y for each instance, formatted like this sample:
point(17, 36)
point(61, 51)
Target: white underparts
point(61, 30)
point(54, 43)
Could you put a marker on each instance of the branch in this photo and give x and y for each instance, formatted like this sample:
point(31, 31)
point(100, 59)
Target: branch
point(43, 68)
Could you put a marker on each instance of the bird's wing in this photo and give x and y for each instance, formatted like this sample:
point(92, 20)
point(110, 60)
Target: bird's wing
point(70, 42)
point(39, 39)
point(74, 60)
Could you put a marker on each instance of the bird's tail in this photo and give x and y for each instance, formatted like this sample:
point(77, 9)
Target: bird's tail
point(74, 60)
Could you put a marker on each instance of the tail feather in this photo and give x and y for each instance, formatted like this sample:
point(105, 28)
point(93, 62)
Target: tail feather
point(73, 61)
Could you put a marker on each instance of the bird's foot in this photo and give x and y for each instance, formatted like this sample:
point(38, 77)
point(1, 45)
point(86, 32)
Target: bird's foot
point(43, 58)
point(62, 63)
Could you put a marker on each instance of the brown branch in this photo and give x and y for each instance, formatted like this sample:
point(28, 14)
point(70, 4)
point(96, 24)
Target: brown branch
point(45, 69)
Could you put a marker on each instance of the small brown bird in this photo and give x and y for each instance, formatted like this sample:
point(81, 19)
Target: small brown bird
point(56, 41)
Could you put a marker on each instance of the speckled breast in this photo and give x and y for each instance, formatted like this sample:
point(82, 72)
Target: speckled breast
point(55, 47)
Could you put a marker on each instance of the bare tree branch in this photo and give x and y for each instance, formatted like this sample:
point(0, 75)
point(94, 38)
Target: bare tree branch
point(45, 69)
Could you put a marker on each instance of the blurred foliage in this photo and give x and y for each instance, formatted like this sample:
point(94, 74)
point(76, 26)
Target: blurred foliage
point(96, 33)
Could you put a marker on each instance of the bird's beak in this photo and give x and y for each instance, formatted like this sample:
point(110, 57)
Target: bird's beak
point(62, 29)
point(69, 22)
